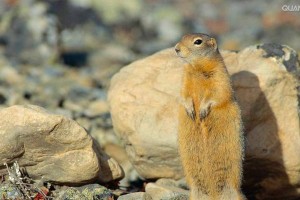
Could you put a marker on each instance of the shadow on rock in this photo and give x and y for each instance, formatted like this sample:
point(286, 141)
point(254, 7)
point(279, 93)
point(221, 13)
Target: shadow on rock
point(265, 176)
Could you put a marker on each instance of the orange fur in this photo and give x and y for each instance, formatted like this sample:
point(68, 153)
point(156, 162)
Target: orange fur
point(211, 146)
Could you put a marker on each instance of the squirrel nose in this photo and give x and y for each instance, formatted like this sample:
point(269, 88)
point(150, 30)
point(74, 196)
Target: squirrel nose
point(177, 50)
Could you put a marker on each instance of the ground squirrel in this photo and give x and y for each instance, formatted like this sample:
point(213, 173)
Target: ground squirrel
point(210, 128)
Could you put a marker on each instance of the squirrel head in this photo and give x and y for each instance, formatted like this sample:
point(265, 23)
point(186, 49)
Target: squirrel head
point(195, 47)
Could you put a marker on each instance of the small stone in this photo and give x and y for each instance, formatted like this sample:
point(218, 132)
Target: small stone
point(10, 191)
point(31, 34)
point(88, 192)
point(96, 108)
point(157, 191)
point(135, 196)
point(10, 76)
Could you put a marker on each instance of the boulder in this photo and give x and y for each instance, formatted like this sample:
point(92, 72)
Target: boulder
point(144, 111)
point(52, 147)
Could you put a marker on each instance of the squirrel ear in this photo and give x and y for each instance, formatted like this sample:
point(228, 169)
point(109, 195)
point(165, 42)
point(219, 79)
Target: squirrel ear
point(212, 42)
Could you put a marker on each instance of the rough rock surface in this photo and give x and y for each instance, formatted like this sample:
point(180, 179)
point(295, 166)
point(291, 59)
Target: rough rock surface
point(93, 191)
point(143, 105)
point(52, 147)
point(166, 189)
point(9, 191)
point(135, 196)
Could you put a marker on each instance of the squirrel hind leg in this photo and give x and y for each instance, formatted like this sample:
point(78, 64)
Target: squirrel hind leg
point(196, 194)
point(231, 193)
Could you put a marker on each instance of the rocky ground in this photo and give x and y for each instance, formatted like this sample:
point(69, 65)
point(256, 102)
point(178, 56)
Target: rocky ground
point(60, 56)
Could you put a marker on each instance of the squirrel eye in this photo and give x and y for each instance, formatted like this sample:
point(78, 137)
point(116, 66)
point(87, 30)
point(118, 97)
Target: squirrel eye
point(198, 42)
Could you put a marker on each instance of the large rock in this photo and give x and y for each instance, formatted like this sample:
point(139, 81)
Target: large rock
point(144, 111)
point(52, 147)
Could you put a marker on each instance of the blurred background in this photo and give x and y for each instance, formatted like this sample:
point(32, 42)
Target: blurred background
point(110, 32)
point(61, 54)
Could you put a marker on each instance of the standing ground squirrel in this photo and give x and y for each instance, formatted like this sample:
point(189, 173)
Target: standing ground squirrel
point(210, 137)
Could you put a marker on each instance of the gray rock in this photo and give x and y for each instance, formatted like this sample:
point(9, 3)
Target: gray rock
point(31, 34)
point(87, 192)
point(135, 196)
point(10, 191)
point(117, 12)
point(164, 192)
point(173, 183)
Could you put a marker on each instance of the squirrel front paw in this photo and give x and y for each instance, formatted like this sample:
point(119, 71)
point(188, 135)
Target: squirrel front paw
point(204, 110)
point(191, 113)
point(203, 113)
point(189, 108)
